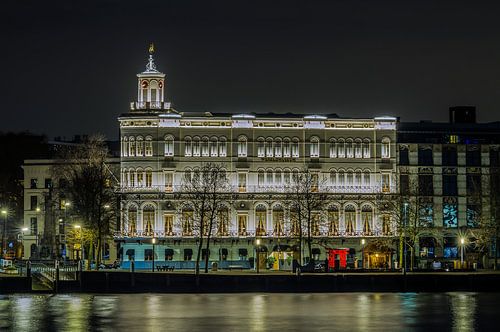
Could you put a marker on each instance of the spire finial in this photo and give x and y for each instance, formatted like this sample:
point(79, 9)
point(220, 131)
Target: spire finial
point(150, 66)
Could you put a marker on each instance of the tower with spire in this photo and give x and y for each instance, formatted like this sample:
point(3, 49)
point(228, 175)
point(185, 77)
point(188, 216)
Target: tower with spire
point(150, 88)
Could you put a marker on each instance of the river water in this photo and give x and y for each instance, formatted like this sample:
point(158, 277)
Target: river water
point(251, 312)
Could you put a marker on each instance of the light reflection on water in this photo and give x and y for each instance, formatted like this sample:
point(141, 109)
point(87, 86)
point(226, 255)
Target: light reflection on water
point(250, 312)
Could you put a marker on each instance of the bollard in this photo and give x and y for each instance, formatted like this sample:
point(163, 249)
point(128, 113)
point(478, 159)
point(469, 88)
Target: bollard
point(56, 281)
point(28, 269)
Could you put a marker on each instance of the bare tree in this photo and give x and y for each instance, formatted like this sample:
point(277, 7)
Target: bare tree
point(206, 191)
point(307, 207)
point(86, 179)
point(411, 214)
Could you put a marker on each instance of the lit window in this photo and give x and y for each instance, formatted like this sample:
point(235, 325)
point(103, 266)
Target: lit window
point(205, 147)
point(366, 148)
point(314, 147)
point(149, 178)
point(386, 148)
point(269, 147)
point(222, 147)
point(295, 148)
point(169, 146)
point(242, 182)
point(286, 148)
point(169, 182)
point(149, 146)
point(277, 148)
point(341, 148)
point(196, 147)
point(213, 147)
point(260, 148)
point(131, 150)
point(188, 147)
point(139, 147)
point(242, 147)
point(349, 148)
point(333, 148)
point(358, 148)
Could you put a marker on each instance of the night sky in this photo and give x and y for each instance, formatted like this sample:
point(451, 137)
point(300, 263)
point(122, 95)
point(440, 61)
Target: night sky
point(69, 67)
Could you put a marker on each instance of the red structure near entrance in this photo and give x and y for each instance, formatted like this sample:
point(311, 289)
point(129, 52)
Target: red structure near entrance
point(337, 258)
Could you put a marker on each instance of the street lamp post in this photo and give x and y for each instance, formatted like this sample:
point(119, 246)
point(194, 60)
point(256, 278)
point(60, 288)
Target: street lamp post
point(362, 253)
point(462, 245)
point(257, 253)
point(23, 230)
point(153, 266)
point(4, 247)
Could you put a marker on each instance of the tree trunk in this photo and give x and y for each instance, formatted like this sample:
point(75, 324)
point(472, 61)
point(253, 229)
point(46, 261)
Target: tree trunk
point(495, 261)
point(207, 255)
point(198, 255)
point(90, 254)
point(401, 245)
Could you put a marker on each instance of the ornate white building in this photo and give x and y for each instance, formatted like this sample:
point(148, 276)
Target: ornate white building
point(354, 159)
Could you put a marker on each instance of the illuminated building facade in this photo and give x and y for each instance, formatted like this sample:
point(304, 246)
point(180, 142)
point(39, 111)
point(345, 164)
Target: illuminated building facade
point(354, 159)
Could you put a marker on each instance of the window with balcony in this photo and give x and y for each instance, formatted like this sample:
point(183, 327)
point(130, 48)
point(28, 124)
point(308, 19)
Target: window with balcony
point(260, 147)
point(131, 150)
point(269, 147)
point(187, 222)
point(341, 178)
point(333, 148)
point(277, 177)
point(278, 221)
point(242, 224)
point(139, 149)
point(260, 178)
point(341, 148)
point(333, 221)
point(286, 177)
point(222, 147)
point(169, 224)
point(367, 219)
point(169, 181)
point(131, 174)
point(349, 148)
point(295, 148)
point(350, 219)
point(188, 147)
point(242, 146)
point(385, 151)
point(278, 147)
point(350, 178)
point(357, 178)
point(269, 177)
point(148, 219)
point(260, 220)
point(333, 178)
point(196, 147)
point(358, 148)
point(242, 182)
point(223, 222)
point(386, 182)
point(367, 179)
point(314, 147)
point(125, 146)
point(366, 148)
point(169, 146)
point(148, 146)
point(132, 219)
point(205, 144)
point(286, 148)
point(213, 147)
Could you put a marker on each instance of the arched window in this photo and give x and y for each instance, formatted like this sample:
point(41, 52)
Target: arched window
point(205, 147)
point(148, 148)
point(169, 146)
point(278, 147)
point(140, 177)
point(366, 178)
point(187, 175)
point(333, 177)
point(187, 221)
point(367, 218)
point(149, 178)
point(260, 220)
point(131, 147)
point(148, 219)
point(139, 147)
point(314, 147)
point(341, 178)
point(154, 91)
point(349, 148)
point(169, 224)
point(358, 148)
point(269, 147)
point(278, 221)
point(286, 148)
point(341, 148)
point(188, 147)
point(124, 179)
point(386, 147)
point(350, 178)
point(333, 221)
point(222, 147)
point(366, 148)
point(357, 178)
point(260, 178)
point(277, 177)
point(131, 177)
point(196, 147)
point(214, 151)
point(125, 146)
point(132, 219)
point(295, 147)
point(286, 176)
point(333, 148)
point(269, 177)
point(260, 147)
point(242, 146)
point(294, 221)
point(223, 222)
point(350, 219)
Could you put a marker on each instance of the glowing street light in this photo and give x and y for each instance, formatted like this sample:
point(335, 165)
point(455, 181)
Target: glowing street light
point(154, 242)
point(4, 244)
point(257, 254)
point(462, 245)
point(363, 241)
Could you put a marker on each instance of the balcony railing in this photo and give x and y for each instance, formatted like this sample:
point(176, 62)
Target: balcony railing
point(269, 189)
point(149, 105)
point(251, 234)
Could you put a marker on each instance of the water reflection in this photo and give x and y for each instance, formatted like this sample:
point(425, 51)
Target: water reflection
point(249, 312)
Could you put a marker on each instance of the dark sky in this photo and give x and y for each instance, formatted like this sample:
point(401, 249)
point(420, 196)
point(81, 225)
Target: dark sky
point(69, 67)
